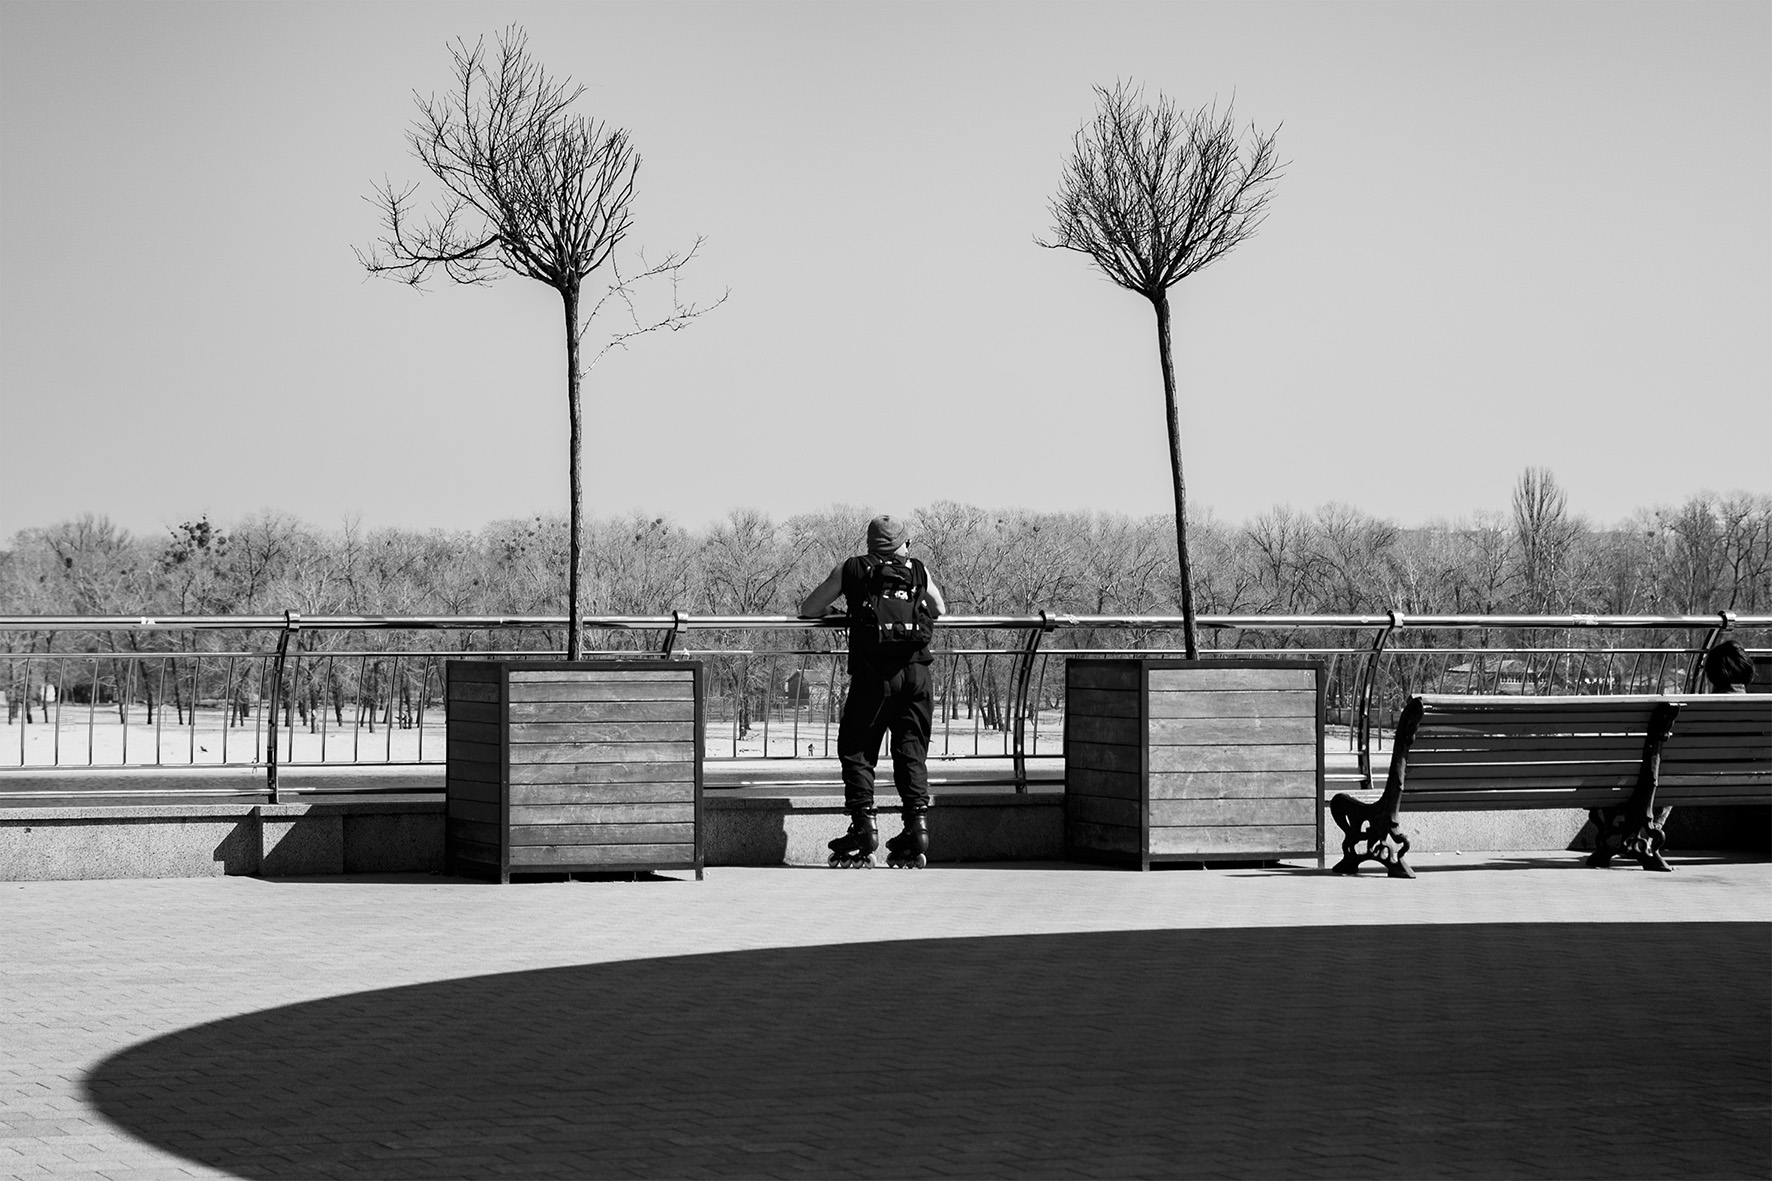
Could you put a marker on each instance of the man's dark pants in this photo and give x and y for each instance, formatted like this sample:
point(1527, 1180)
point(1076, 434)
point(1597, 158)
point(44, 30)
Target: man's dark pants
point(898, 701)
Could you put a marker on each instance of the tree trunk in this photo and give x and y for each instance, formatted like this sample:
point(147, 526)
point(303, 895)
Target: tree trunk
point(1161, 300)
point(575, 448)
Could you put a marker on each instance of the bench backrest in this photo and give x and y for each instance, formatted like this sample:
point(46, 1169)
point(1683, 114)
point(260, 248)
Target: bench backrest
point(1720, 751)
point(1526, 752)
point(1585, 752)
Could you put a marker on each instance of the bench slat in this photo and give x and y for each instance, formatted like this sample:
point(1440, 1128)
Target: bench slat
point(1600, 745)
point(1694, 770)
point(1522, 800)
point(1714, 754)
point(1519, 727)
point(1476, 783)
point(1482, 766)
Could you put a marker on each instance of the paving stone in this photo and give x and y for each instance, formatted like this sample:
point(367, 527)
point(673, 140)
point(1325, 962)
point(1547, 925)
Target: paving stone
point(991, 1021)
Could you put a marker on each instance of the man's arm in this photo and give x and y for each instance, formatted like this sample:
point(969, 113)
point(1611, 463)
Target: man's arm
point(938, 606)
point(824, 596)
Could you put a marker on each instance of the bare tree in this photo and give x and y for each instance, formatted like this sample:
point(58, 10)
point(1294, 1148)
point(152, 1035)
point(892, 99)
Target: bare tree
point(1153, 194)
point(532, 188)
point(1546, 535)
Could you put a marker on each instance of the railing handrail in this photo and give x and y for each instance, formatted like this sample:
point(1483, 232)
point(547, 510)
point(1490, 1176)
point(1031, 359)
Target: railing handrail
point(686, 622)
point(1369, 649)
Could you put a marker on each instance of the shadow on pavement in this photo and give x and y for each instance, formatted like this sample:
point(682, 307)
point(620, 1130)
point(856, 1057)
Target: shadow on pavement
point(1498, 1050)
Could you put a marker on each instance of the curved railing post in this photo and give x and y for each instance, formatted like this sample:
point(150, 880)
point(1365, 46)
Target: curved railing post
point(1030, 648)
point(1696, 672)
point(291, 625)
point(1366, 692)
point(679, 625)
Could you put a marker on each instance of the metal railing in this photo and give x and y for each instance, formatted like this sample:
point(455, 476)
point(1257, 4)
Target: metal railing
point(287, 690)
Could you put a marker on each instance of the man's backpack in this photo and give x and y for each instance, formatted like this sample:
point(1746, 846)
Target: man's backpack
point(891, 616)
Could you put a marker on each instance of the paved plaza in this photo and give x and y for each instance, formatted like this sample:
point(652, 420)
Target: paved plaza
point(1502, 1015)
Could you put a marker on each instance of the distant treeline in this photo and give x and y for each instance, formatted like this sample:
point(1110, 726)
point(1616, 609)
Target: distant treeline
point(1711, 553)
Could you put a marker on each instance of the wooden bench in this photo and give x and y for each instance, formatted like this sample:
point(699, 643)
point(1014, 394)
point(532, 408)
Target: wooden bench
point(1626, 759)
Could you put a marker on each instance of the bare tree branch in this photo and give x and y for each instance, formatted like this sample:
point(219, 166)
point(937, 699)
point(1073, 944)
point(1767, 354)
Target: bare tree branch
point(625, 289)
point(532, 188)
point(1153, 194)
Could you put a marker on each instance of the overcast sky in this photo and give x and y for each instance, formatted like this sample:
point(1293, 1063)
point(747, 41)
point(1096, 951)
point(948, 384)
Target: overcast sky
point(1508, 235)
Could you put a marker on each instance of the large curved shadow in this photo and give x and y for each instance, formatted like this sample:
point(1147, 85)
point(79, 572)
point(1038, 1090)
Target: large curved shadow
point(1498, 1050)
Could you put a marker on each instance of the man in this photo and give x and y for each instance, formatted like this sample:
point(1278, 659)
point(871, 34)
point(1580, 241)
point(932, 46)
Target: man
point(892, 608)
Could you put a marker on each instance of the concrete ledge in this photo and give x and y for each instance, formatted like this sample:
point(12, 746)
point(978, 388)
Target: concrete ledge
point(753, 828)
point(768, 829)
point(220, 839)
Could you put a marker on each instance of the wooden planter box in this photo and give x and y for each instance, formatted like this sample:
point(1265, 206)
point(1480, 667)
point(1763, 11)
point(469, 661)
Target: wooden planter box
point(1193, 760)
point(573, 766)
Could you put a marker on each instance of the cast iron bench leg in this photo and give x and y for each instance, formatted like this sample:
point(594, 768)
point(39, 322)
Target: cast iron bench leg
point(1373, 826)
point(1621, 830)
point(1635, 828)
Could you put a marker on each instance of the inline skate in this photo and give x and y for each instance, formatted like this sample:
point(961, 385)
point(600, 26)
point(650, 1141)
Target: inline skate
point(855, 848)
point(910, 848)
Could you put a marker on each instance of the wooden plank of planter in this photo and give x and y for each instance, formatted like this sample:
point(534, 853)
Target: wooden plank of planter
point(1112, 784)
point(1102, 757)
point(1101, 674)
point(464, 771)
point(1233, 758)
point(468, 730)
point(667, 710)
point(595, 752)
point(477, 790)
point(473, 752)
point(662, 771)
point(601, 691)
point(601, 732)
point(1117, 731)
point(1100, 703)
point(1216, 680)
point(1241, 813)
point(481, 811)
point(1179, 842)
point(628, 673)
point(478, 832)
point(1240, 730)
point(1121, 811)
point(1234, 704)
point(1219, 785)
point(476, 852)
point(1116, 839)
point(550, 856)
point(603, 834)
point(551, 794)
point(626, 812)
point(459, 710)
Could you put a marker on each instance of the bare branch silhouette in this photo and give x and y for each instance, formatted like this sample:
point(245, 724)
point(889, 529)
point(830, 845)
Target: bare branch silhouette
point(529, 187)
point(1153, 194)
